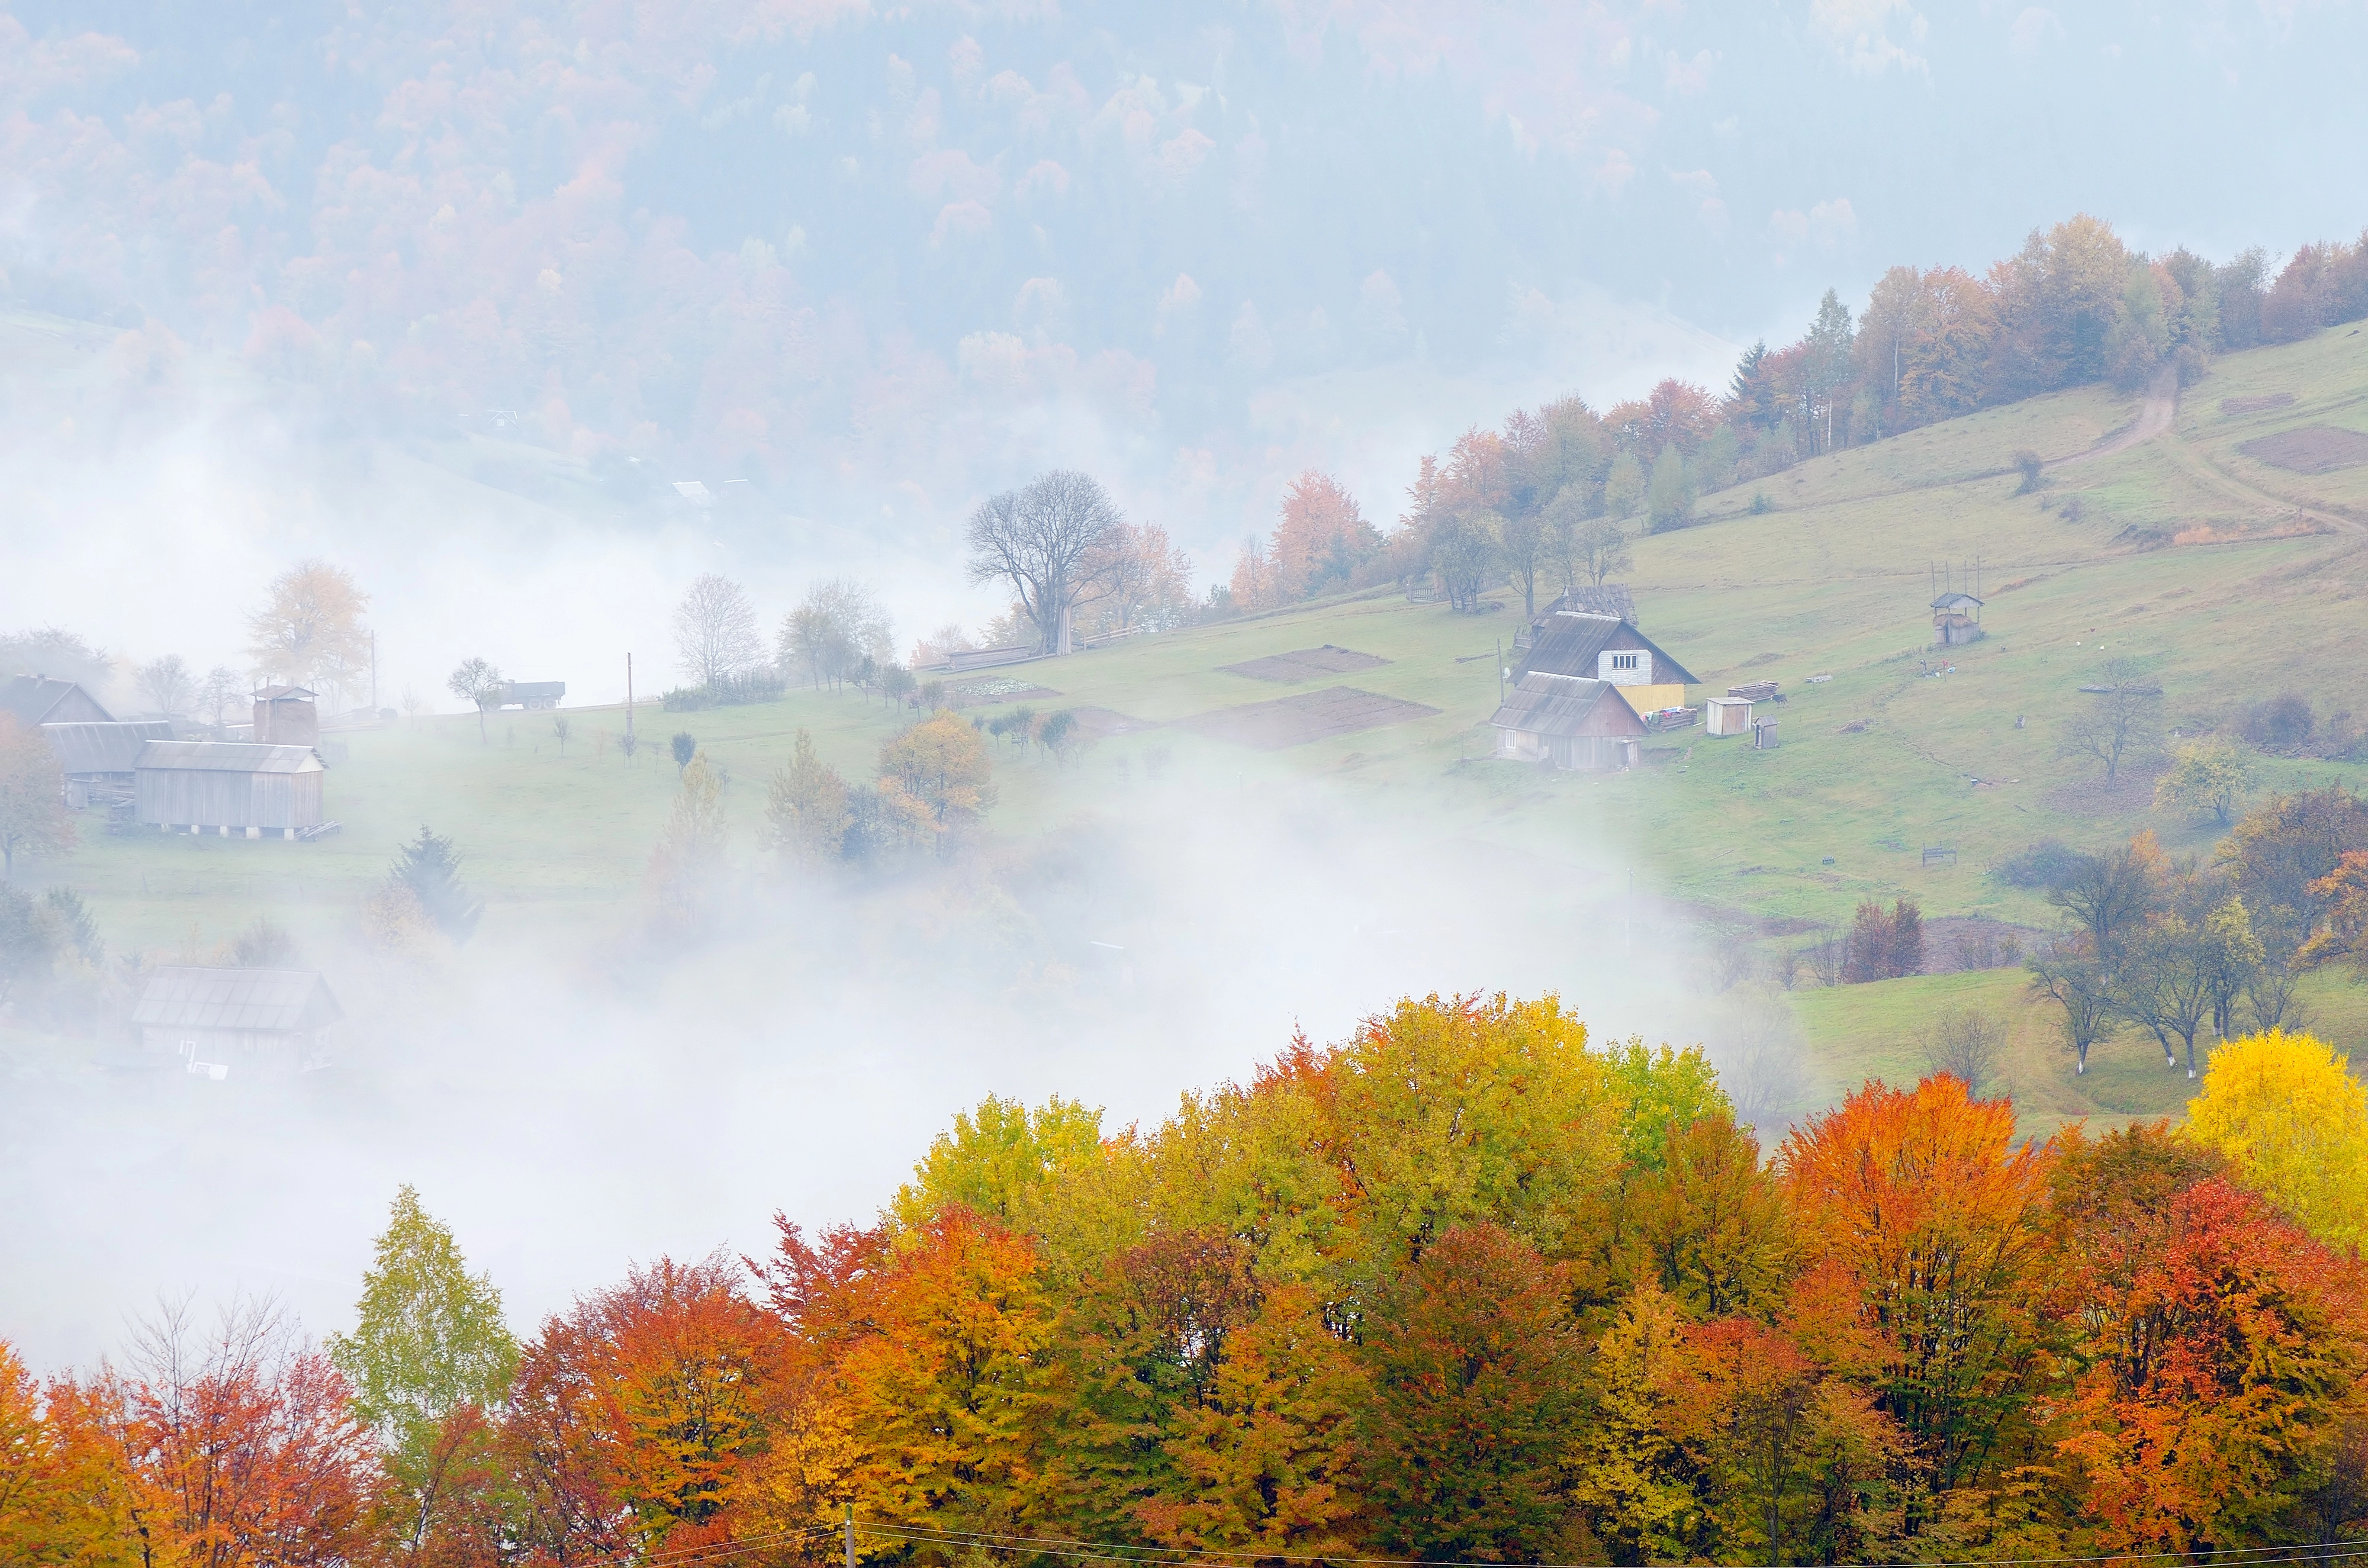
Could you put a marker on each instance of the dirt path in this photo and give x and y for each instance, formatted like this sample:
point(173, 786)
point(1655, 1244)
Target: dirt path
point(2155, 416)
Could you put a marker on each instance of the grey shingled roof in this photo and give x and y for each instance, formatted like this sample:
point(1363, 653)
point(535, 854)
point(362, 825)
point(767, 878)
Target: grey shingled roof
point(104, 748)
point(1568, 640)
point(1558, 705)
point(229, 757)
point(263, 1001)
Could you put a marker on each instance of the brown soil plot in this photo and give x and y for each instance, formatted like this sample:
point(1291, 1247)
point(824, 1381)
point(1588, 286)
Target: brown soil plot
point(1306, 663)
point(2314, 449)
point(1104, 722)
point(1307, 716)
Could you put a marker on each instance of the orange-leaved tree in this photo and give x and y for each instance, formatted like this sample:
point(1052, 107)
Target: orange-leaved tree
point(944, 1395)
point(2224, 1346)
point(1921, 1203)
point(642, 1415)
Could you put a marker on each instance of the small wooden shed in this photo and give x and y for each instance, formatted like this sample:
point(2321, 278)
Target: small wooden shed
point(287, 716)
point(1573, 722)
point(263, 1021)
point(1956, 619)
point(229, 787)
point(1728, 716)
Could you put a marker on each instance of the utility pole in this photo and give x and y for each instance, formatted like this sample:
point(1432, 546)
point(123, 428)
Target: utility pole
point(629, 706)
point(1500, 672)
point(850, 1534)
point(373, 675)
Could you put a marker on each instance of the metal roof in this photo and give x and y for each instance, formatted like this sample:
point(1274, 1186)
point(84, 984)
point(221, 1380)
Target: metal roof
point(1956, 601)
point(230, 757)
point(1562, 706)
point(1569, 640)
point(104, 748)
point(262, 1000)
point(285, 694)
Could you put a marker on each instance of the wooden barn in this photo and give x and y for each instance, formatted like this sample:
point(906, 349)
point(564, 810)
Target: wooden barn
point(1956, 620)
point(1571, 720)
point(287, 716)
point(229, 787)
point(37, 700)
point(98, 759)
point(1610, 649)
point(268, 1022)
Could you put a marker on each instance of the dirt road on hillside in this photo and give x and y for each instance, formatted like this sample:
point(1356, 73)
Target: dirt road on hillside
point(2155, 416)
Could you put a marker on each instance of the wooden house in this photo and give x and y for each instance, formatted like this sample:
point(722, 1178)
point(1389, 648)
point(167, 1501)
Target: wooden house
point(268, 1022)
point(37, 700)
point(229, 787)
point(1611, 650)
point(98, 759)
point(1571, 720)
point(287, 716)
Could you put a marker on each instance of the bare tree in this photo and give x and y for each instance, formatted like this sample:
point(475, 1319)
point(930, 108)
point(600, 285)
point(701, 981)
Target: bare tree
point(1040, 539)
point(841, 623)
point(1966, 1042)
point(2080, 986)
point(165, 682)
point(715, 630)
point(224, 689)
point(480, 683)
point(2119, 725)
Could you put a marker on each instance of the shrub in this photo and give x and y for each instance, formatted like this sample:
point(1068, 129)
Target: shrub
point(2046, 864)
point(2028, 464)
point(2283, 723)
point(685, 746)
point(1760, 504)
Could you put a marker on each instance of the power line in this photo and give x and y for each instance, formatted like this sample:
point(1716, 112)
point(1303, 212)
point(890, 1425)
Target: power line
point(1117, 1551)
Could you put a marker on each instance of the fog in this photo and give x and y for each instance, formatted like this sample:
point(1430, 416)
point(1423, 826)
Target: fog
point(570, 1107)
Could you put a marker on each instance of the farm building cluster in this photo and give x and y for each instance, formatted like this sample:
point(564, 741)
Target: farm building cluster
point(1587, 687)
point(137, 770)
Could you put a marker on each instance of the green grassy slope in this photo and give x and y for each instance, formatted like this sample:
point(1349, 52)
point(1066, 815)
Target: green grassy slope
point(2239, 580)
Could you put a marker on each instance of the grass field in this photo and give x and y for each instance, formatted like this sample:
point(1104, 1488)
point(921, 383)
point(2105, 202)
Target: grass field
point(2238, 580)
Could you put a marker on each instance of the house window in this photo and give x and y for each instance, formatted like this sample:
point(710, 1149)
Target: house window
point(1623, 661)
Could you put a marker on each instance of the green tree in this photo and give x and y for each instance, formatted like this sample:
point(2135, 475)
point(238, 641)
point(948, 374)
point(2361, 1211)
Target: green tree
point(2208, 778)
point(1478, 1372)
point(1624, 487)
point(430, 867)
point(2140, 336)
point(429, 1343)
point(994, 1155)
point(806, 807)
point(1670, 502)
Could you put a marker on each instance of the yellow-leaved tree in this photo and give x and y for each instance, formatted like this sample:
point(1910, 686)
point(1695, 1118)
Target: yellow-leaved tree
point(2293, 1121)
point(938, 770)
